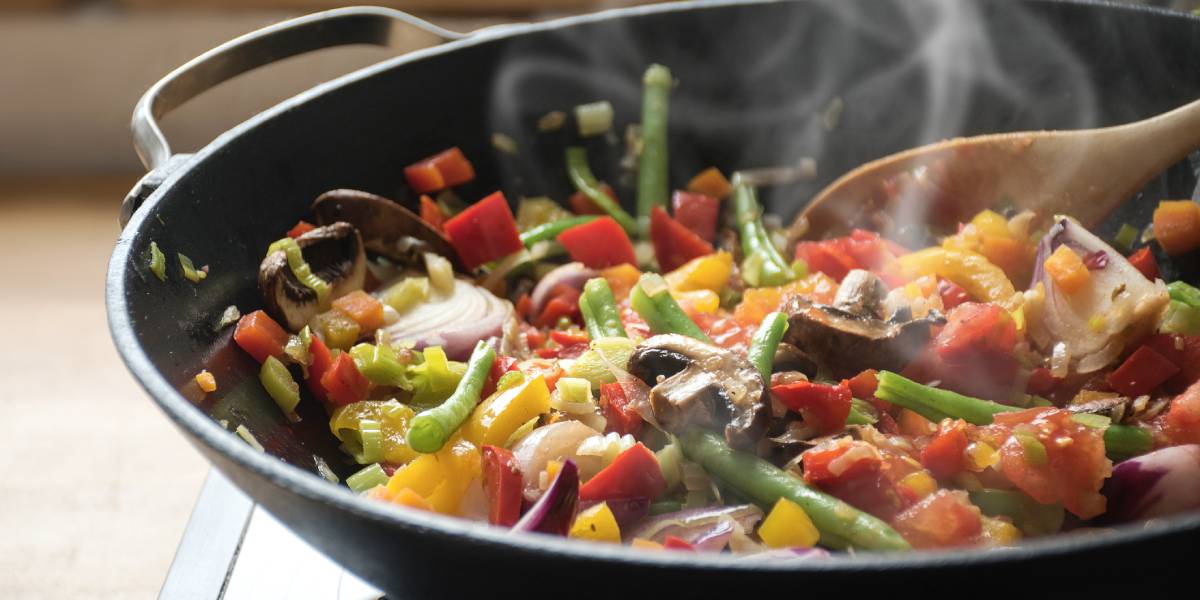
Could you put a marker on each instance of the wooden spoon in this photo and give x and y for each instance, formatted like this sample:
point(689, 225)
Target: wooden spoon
point(1083, 173)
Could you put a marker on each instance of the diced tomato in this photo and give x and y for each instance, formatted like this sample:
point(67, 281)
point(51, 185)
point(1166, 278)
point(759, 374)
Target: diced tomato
point(823, 406)
point(548, 369)
point(616, 408)
point(502, 483)
point(300, 228)
point(859, 250)
point(500, 366)
point(568, 338)
point(827, 257)
point(633, 474)
point(1143, 260)
point(432, 213)
point(1041, 382)
point(1143, 371)
point(1053, 458)
point(976, 332)
point(321, 362)
point(1182, 423)
point(598, 244)
point(343, 383)
point(863, 385)
point(697, 212)
point(484, 231)
point(260, 336)
point(952, 294)
point(726, 332)
point(582, 205)
point(446, 169)
point(945, 455)
point(365, 309)
point(534, 337)
point(672, 542)
point(524, 306)
point(854, 472)
point(674, 244)
point(943, 519)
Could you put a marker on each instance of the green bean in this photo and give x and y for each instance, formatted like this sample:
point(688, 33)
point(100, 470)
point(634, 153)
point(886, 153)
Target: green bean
point(1120, 441)
point(549, 231)
point(653, 302)
point(762, 265)
point(589, 318)
point(766, 341)
point(429, 430)
point(585, 182)
point(653, 185)
point(764, 484)
point(1031, 517)
point(605, 316)
point(860, 414)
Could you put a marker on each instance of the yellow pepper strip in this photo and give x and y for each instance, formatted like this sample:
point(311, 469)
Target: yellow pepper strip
point(597, 524)
point(496, 418)
point(393, 418)
point(990, 222)
point(983, 280)
point(441, 478)
point(788, 526)
point(1067, 270)
point(621, 279)
point(710, 272)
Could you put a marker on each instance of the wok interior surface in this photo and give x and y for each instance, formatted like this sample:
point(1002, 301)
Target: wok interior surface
point(756, 82)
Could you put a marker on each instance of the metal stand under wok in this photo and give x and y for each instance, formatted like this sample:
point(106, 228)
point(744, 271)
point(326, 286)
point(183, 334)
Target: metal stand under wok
point(232, 549)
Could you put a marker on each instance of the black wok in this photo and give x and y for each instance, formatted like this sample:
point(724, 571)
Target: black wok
point(755, 81)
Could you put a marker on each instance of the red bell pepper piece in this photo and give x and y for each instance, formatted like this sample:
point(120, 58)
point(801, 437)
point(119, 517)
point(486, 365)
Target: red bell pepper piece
point(564, 302)
point(322, 361)
point(484, 231)
point(697, 212)
point(300, 228)
point(598, 244)
point(582, 205)
point(1143, 260)
point(633, 474)
point(569, 338)
point(822, 405)
point(502, 483)
point(616, 408)
point(863, 385)
point(952, 294)
point(945, 455)
point(1143, 371)
point(446, 169)
point(817, 461)
point(260, 336)
point(674, 244)
point(534, 337)
point(432, 213)
point(500, 366)
point(976, 332)
point(343, 383)
point(827, 257)
point(672, 542)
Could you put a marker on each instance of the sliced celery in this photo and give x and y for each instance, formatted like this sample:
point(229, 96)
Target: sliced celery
point(408, 293)
point(380, 364)
point(280, 385)
point(367, 478)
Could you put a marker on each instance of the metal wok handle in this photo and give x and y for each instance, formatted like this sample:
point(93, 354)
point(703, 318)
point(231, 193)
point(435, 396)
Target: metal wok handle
point(339, 27)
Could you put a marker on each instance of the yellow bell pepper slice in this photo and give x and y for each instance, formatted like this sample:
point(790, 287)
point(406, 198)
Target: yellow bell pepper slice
point(710, 272)
point(983, 280)
point(597, 524)
point(441, 478)
point(990, 222)
point(788, 526)
point(499, 416)
point(1067, 270)
point(393, 417)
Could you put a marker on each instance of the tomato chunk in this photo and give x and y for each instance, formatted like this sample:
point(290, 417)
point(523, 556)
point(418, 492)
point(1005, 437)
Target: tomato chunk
point(943, 519)
point(853, 471)
point(952, 294)
point(260, 336)
point(823, 406)
point(674, 244)
point(484, 232)
point(633, 474)
point(502, 483)
point(599, 244)
point(976, 332)
point(945, 455)
point(1182, 423)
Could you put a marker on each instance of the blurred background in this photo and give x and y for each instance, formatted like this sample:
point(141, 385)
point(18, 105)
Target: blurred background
point(98, 484)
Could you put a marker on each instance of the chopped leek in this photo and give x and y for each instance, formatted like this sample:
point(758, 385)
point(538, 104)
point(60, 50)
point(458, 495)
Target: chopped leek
point(370, 439)
point(380, 364)
point(435, 378)
point(230, 316)
point(249, 438)
point(189, 269)
point(367, 478)
point(594, 118)
point(1092, 420)
point(408, 293)
point(1180, 318)
point(158, 262)
point(280, 385)
point(1184, 293)
point(1127, 236)
point(303, 272)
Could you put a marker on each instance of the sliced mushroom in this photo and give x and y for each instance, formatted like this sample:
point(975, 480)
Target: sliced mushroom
point(789, 358)
point(695, 384)
point(387, 228)
point(335, 254)
point(844, 344)
point(861, 293)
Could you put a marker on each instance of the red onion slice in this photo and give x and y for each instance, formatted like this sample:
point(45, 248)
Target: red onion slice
point(1156, 484)
point(554, 512)
point(573, 274)
point(456, 322)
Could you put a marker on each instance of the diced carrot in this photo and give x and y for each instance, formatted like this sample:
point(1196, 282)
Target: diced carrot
point(206, 381)
point(300, 228)
point(1177, 226)
point(454, 167)
point(424, 177)
point(1143, 260)
point(1067, 270)
point(260, 336)
point(364, 308)
point(432, 213)
point(710, 182)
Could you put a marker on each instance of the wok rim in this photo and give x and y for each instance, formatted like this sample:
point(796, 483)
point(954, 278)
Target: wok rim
point(314, 488)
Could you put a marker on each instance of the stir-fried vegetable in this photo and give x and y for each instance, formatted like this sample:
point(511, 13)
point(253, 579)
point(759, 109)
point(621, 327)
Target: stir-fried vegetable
point(431, 429)
point(762, 265)
point(766, 341)
point(653, 185)
point(599, 309)
point(653, 303)
point(583, 180)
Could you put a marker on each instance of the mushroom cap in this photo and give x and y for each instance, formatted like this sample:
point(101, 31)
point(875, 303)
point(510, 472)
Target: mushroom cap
point(335, 254)
point(697, 384)
point(387, 228)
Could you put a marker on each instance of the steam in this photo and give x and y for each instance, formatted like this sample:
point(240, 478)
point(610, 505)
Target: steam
point(753, 92)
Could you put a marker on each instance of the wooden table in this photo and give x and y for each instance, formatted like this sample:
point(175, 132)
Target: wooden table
point(97, 484)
